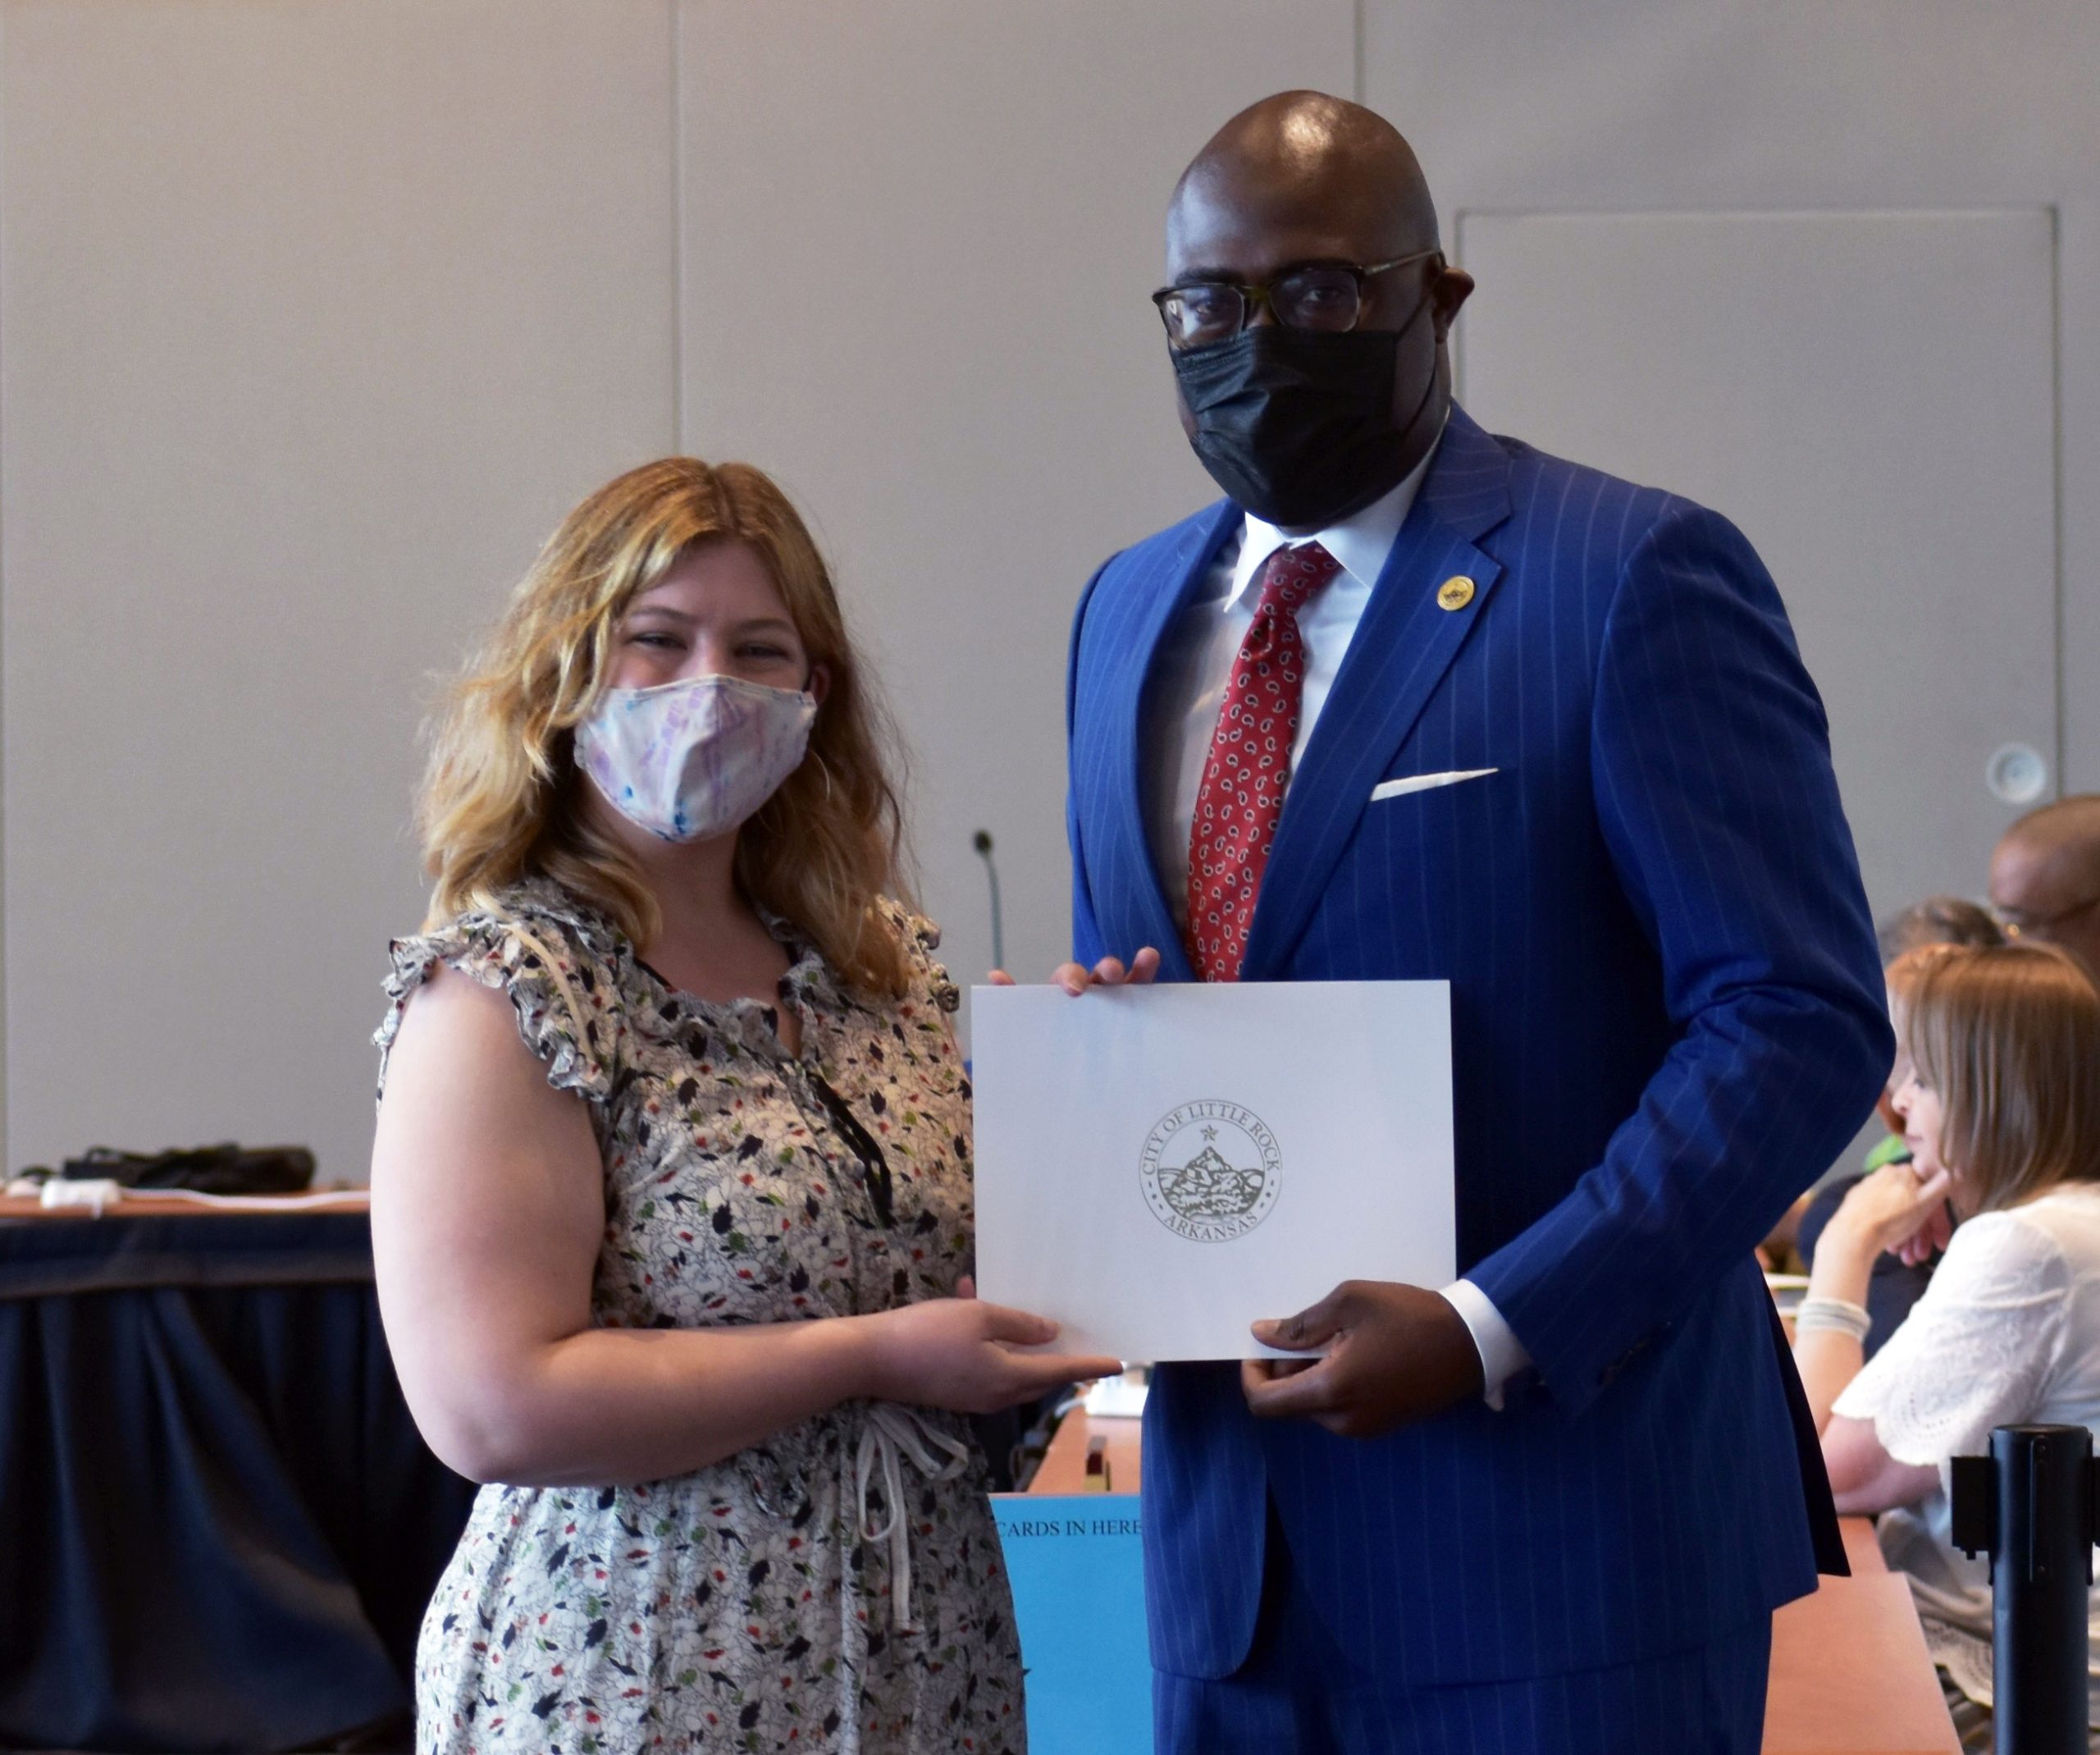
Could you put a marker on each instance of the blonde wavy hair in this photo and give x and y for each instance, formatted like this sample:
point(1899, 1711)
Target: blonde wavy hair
point(2009, 1035)
point(502, 798)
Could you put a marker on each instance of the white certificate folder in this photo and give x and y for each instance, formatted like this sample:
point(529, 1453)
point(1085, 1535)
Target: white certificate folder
point(1157, 1166)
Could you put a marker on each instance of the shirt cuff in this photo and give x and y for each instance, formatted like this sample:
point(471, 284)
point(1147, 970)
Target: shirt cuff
point(1502, 1354)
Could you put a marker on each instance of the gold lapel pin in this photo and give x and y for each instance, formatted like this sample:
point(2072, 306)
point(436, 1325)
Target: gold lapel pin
point(1455, 592)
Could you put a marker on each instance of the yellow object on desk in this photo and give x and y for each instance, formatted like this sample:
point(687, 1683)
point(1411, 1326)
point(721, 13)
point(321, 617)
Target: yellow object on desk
point(1097, 1478)
point(1065, 1464)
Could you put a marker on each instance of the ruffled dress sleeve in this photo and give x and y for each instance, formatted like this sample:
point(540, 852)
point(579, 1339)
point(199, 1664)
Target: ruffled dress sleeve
point(931, 984)
point(1977, 1350)
point(931, 997)
point(559, 982)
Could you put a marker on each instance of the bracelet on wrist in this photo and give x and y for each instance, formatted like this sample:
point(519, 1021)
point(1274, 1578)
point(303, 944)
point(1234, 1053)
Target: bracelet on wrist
point(1837, 1313)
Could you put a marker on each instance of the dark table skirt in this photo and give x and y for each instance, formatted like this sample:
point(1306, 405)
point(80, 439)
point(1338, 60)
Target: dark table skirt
point(218, 1526)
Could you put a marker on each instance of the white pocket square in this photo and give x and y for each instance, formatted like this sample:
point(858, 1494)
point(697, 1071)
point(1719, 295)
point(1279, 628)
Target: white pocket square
point(1421, 783)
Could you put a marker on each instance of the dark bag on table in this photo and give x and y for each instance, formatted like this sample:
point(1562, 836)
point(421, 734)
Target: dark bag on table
point(227, 1169)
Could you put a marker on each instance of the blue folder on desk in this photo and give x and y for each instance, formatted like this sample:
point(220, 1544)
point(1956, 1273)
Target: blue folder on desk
point(1077, 1572)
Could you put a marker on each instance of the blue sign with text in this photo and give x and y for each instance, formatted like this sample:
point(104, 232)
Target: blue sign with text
point(1078, 1575)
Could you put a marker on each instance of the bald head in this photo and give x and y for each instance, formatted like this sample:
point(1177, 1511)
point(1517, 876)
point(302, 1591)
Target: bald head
point(2045, 875)
point(1317, 404)
point(1314, 169)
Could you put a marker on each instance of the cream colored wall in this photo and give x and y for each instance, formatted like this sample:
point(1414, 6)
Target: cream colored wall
point(1919, 107)
point(315, 319)
point(928, 310)
point(315, 315)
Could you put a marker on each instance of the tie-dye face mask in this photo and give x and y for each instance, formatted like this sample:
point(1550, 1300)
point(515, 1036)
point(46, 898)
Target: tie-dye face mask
point(691, 760)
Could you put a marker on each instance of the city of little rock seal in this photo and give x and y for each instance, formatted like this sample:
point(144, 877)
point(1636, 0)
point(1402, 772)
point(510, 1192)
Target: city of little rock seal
point(1211, 1170)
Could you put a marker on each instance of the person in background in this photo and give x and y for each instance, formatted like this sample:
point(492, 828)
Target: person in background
point(2000, 1108)
point(1938, 920)
point(1899, 1279)
point(671, 1192)
point(2045, 878)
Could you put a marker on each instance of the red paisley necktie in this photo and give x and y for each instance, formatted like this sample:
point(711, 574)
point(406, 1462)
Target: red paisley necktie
point(1241, 798)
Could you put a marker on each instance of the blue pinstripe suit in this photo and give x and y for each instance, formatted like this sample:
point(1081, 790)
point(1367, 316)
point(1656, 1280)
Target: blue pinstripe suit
point(1667, 1020)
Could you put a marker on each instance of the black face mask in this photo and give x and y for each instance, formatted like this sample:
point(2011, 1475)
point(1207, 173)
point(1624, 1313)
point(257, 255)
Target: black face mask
point(1296, 425)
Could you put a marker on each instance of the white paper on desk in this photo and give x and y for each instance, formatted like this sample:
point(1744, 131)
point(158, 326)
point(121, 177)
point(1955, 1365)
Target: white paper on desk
point(1157, 1166)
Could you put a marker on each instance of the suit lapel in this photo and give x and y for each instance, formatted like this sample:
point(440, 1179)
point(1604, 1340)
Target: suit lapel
point(1167, 592)
point(1401, 649)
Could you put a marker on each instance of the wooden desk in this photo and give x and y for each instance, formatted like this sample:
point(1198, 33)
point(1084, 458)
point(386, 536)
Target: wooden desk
point(1850, 1672)
point(1063, 1465)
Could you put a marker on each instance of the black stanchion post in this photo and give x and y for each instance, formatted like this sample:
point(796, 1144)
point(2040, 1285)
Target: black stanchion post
point(2031, 1506)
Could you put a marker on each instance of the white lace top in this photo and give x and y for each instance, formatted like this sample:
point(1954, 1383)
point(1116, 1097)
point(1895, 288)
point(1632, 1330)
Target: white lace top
point(2007, 1333)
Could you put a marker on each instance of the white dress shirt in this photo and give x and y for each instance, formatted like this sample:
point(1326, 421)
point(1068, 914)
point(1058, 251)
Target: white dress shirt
point(1185, 695)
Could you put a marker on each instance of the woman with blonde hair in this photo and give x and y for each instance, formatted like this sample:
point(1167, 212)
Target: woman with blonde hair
point(671, 1191)
point(2001, 1109)
point(1899, 1278)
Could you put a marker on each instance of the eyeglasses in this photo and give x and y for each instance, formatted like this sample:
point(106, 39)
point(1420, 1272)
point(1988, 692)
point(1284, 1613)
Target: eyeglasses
point(1326, 295)
point(2016, 923)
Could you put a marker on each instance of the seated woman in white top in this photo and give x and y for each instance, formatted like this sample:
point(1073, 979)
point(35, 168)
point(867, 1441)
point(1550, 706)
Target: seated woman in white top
point(2002, 1113)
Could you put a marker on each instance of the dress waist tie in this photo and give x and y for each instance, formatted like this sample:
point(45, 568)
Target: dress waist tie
point(892, 1435)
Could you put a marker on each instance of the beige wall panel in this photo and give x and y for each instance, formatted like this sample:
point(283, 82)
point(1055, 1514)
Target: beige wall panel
point(1545, 106)
point(1912, 529)
point(316, 316)
point(919, 238)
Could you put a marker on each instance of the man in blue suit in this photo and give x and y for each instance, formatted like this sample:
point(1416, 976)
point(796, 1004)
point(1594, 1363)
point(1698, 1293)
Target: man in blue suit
point(1419, 702)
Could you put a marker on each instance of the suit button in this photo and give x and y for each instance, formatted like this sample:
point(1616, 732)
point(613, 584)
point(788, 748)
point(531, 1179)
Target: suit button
point(1455, 592)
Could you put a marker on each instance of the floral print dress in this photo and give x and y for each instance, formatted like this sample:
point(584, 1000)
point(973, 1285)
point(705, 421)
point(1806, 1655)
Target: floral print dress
point(839, 1587)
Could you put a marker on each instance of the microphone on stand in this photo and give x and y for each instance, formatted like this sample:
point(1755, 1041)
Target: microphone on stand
point(981, 841)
